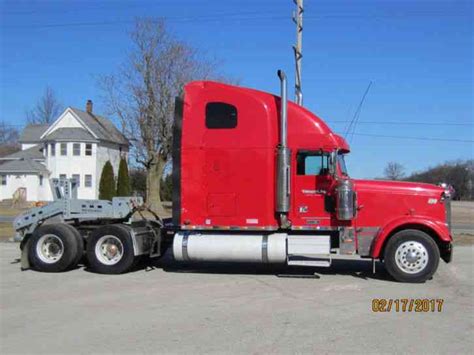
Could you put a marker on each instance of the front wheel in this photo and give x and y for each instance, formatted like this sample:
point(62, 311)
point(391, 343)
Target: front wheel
point(110, 249)
point(411, 256)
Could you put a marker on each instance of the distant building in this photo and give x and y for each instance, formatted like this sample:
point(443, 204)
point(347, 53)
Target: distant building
point(76, 145)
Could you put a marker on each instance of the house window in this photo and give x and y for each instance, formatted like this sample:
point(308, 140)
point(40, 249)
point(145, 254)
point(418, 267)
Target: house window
point(45, 150)
point(76, 149)
point(220, 115)
point(3, 179)
point(53, 149)
point(77, 177)
point(88, 148)
point(62, 176)
point(41, 180)
point(88, 181)
point(63, 148)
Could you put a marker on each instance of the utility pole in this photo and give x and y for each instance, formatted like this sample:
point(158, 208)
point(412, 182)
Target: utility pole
point(298, 19)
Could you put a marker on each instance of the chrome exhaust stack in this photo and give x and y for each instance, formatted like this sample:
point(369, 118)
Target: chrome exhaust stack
point(283, 158)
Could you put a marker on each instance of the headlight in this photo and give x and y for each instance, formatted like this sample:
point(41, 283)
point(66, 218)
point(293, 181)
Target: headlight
point(448, 192)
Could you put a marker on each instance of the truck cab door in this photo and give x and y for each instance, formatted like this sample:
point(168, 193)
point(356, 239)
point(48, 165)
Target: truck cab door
point(312, 183)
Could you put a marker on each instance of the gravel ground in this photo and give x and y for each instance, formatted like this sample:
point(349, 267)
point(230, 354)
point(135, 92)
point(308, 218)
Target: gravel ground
point(172, 309)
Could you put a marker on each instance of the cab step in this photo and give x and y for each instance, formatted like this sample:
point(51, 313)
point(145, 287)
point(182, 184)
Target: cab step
point(300, 260)
point(309, 250)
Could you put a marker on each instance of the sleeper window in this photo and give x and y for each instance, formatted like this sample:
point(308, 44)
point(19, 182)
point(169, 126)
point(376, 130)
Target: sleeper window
point(220, 115)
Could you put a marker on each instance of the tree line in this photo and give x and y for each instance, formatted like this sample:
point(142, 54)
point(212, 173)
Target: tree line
point(458, 173)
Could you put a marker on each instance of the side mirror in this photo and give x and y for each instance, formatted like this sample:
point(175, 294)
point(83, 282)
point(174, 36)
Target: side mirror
point(333, 163)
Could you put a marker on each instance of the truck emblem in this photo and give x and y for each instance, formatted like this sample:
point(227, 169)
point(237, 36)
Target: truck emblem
point(319, 191)
point(303, 209)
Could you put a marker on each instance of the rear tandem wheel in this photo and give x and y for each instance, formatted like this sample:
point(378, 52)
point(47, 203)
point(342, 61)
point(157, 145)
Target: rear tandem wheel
point(110, 249)
point(55, 248)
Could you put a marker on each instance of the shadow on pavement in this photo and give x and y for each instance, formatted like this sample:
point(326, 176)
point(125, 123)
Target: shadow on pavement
point(361, 269)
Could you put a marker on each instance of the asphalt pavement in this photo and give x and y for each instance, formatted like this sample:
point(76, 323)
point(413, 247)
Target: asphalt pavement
point(220, 309)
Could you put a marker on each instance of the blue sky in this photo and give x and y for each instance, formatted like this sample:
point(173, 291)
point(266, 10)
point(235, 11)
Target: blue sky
point(418, 54)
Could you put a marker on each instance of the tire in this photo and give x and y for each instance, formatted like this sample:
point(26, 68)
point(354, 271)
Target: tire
point(110, 249)
point(80, 245)
point(53, 248)
point(411, 256)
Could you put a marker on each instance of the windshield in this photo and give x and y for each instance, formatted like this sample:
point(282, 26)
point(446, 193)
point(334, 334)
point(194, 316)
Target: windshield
point(342, 164)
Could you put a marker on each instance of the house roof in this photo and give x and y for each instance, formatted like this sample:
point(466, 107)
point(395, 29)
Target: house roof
point(32, 133)
point(66, 133)
point(22, 166)
point(34, 152)
point(102, 127)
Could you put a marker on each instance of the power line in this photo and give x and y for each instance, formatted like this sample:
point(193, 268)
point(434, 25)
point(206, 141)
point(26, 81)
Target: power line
point(405, 123)
point(216, 17)
point(415, 138)
point(232, 16)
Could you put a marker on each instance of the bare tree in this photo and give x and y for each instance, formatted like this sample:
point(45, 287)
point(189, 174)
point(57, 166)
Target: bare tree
point(8, 139)
point(394, 171)
point(46, 110)
point(142, 95)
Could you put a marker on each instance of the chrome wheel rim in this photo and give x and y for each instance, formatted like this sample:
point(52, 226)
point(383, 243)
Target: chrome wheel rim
point(411, 257)
point(50, 248)
point(109, 250)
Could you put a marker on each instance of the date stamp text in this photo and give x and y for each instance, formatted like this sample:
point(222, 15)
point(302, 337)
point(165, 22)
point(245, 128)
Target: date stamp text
point(407, 305)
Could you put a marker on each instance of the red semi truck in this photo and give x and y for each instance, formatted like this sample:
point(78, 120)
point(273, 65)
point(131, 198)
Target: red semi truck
point(255, 179)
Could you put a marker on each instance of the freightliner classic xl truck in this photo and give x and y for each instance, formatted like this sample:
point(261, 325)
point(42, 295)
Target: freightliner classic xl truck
point(256, 179)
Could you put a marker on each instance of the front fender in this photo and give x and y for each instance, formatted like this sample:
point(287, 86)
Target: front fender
point(441, 230)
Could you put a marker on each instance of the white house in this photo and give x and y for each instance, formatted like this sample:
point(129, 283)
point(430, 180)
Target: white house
point(76, 145)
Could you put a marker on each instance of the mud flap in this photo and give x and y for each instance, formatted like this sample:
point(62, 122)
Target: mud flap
point(447, 252)
point(25, 258)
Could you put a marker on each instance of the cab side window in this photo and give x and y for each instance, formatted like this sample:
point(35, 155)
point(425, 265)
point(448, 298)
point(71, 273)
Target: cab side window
point(312, 163)
point(220, 115)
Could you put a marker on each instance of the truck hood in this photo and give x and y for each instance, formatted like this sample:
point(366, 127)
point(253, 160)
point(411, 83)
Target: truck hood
point(398, 187)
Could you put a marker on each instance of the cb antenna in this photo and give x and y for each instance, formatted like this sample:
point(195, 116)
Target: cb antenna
point(355, 118)
point(298, 19)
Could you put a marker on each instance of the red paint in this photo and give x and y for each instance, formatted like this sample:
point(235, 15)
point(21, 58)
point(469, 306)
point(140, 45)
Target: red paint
point(228, 175)
point(392, 204)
